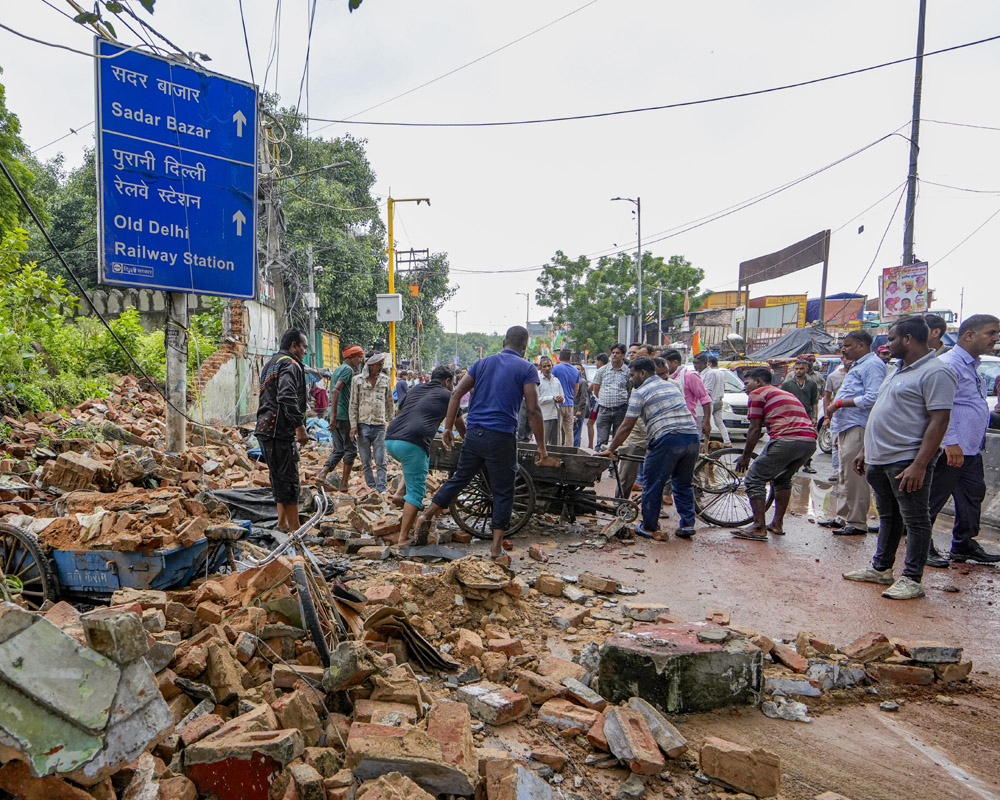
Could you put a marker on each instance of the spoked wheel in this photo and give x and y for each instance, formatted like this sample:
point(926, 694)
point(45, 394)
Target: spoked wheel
point(628, 510)
point(319, 616)
point(24, 571)
point(719, 494)
point(825, 439)
point(473, 508)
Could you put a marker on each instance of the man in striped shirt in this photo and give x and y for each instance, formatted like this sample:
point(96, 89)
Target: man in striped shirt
point(671, 449)
point(791, 443)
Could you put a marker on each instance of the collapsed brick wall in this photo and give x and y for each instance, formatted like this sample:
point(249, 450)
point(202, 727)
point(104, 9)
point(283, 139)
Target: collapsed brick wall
point(233, 344)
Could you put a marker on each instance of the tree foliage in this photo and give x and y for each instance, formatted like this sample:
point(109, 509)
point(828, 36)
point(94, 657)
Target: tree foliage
point(14, 153)
point(590, 297)
point(471, 347)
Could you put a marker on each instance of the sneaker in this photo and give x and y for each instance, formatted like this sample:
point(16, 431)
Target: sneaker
point(935, 559)
point(974, 552)
point(871, 575)
point(904, 589)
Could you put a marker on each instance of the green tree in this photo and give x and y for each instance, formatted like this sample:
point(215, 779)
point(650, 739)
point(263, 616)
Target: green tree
point(14, 153)
point(591, 296)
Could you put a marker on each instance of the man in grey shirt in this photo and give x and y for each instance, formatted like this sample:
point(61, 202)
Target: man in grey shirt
point(902, 441)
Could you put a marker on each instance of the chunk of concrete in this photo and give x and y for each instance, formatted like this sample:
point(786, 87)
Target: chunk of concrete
point(492, 703)
point(241, 764)
point(676, 673)
point(929, 652)
point(117, 634)
point(391, 786)
point(351, 664)
point(507, 780)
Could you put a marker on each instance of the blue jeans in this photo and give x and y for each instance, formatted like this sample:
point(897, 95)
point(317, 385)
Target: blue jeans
point(672, 457)
point(371, 444)
point(577, 431)
point(495, 452)
point(901, 512)
point(608, 420)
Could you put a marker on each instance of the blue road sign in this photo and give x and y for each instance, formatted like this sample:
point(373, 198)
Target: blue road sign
point(177, 175)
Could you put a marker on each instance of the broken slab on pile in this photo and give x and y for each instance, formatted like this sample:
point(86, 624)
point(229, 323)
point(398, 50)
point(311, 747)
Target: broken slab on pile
point(70, 710)
point(670, 668)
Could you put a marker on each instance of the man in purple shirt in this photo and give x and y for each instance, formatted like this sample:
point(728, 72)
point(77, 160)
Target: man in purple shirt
point(959, 470)
point(498, 384)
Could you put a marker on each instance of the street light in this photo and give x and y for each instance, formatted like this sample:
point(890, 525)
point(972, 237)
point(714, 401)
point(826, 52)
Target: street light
point(527, 307)
point(637, 202)
point(456, 313)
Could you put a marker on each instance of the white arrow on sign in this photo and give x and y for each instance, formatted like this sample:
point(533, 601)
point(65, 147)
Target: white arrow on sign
point(240, 220)
point(240, 121)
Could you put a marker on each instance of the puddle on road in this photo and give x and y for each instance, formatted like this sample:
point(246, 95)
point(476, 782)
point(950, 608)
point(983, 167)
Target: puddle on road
point(970, 782)
point(812, 498)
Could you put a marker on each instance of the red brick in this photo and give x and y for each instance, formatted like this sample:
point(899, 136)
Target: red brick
point(869, 647)
point(381, 712)
point(461, 537)
point(537, 687)
point(631, 741)
point(717, 616)
point(900, 673)
point(589, 580)
point(784, 654)
point(596, 735)
point(537, 553)
point(509, 647)
point(468, 644)
point(755, 771)
point(559, 668)
point(550, 585)
point(564, 714)
point(199, 728)
point(387, 595)
point(494, 704)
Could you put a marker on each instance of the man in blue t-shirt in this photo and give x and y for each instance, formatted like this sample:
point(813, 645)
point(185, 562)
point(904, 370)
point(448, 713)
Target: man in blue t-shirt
point(569, 377)
point(498, 384)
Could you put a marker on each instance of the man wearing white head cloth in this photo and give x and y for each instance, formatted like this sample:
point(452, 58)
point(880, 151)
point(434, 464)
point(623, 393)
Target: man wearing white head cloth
point(371, 410)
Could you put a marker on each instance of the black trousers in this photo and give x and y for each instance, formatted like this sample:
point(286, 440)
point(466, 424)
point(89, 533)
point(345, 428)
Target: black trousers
point(967, 484)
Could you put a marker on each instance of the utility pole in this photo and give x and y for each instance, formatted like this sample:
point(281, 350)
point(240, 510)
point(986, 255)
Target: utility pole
point(456, 313)
point(392, 279)
point(911, 178)
point(175, 339)
point(311, 303)
point(659, 316)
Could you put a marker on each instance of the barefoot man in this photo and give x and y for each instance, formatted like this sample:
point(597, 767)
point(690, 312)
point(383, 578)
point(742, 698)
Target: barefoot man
point(791, 443)
point(500, 382)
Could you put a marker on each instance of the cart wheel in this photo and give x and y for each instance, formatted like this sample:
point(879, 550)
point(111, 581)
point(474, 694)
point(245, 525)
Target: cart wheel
point(310, 619)
point(24, 571)
point(719, 494)
point(473, 508)
point(627, 510)
point(825, 439)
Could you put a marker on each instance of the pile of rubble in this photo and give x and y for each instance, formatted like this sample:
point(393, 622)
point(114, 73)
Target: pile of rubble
point(216, 690)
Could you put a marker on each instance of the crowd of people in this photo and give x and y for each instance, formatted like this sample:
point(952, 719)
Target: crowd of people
point(908, 423)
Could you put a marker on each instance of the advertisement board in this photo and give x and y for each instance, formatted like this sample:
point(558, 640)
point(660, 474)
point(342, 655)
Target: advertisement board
point(789, 299)
point(903, 291)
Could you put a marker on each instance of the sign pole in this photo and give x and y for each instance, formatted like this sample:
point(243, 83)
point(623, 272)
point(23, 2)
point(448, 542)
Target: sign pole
point(176, 340)
point(822, 287)
point(392, 289)
point(312, 310)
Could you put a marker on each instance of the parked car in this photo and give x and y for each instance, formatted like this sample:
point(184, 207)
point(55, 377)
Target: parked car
point(989, 370)
point(735, 405)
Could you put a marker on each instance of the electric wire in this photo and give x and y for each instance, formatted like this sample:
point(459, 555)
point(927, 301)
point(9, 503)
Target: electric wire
point(467, 64)
point(664, 107)
point(72, 49)
point(246, 42)
point(961, 188)
point(85, 295)
point(72, 132)
point(982, 225)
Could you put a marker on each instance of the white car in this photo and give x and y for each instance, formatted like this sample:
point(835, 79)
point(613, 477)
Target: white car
point(735, 404)
point(989, 368)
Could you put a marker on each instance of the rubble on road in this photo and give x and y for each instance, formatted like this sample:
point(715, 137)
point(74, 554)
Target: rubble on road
point(467, 679)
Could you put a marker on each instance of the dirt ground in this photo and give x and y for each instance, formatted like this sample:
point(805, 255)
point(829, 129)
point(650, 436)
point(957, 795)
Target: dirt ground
point(928, 749)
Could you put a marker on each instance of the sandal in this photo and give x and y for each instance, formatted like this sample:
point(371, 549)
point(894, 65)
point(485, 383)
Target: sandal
point(640, 531)
point(739, 533)
point(685, 533)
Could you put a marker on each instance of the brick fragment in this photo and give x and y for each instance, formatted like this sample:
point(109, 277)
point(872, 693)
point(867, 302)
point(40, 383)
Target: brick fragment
point(784, 654)
point(900, 673)
point(869, 647)
point(745, 769)
point(564, 714)
point(589, 580)
point(494, 704)
point(631, 741)
point(951, 673)
point(550, 585)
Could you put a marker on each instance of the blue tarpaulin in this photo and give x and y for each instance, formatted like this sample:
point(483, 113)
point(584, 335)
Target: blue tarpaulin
point(812, 306)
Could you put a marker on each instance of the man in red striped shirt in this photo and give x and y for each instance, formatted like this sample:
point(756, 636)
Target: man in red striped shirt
point(791, 443)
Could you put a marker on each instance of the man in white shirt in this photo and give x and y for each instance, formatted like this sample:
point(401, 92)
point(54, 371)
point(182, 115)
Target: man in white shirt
point(550, 397)
point(715, 385)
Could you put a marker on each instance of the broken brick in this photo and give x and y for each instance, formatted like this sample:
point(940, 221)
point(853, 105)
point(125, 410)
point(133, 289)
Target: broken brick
point(745, 769)
point(631, 741)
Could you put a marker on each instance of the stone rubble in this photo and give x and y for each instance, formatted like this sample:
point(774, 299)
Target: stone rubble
point(216, 690)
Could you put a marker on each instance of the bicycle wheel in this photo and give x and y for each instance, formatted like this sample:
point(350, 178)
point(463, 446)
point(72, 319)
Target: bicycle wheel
point(24, 569)
point(472, 510)
point(825, 440)
point(321, 632)
point(719, 494)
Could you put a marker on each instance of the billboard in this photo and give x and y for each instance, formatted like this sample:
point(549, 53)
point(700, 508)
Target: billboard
point(789, 299)
point(903, 291)
point(717, 300)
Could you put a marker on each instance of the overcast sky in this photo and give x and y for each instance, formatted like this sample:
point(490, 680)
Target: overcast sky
point(506, 198)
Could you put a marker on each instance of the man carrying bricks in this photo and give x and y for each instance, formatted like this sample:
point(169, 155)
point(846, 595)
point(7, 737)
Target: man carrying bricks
point(281, 423)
